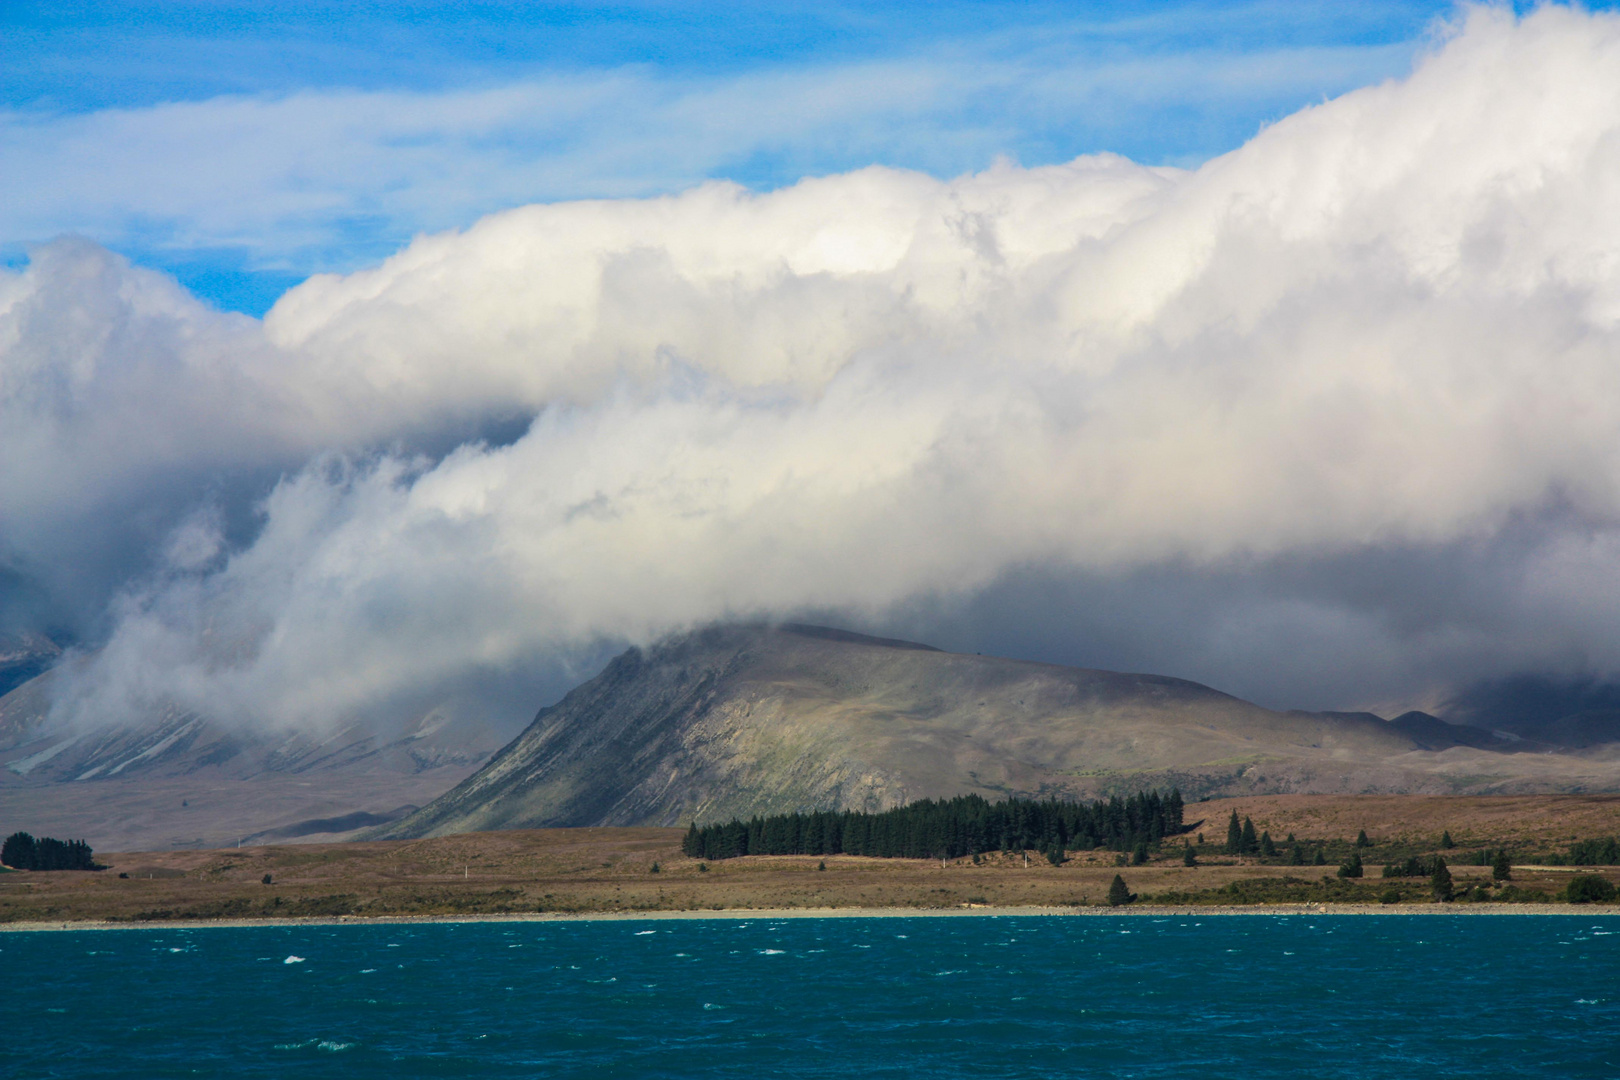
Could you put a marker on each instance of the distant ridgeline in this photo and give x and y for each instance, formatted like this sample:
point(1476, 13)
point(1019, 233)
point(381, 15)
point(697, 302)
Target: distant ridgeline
point(23, 852)
point(951, 828)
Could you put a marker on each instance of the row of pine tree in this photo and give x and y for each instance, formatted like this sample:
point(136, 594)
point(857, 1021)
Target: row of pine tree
point(22, 852)
point(948, 829)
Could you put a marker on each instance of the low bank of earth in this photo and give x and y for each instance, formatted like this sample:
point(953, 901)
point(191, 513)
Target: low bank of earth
point(578, 871)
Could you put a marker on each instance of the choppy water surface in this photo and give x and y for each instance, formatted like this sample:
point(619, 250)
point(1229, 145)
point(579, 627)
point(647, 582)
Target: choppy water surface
point(1251, 996)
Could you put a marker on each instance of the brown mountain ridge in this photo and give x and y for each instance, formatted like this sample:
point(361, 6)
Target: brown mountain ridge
point(737, 720)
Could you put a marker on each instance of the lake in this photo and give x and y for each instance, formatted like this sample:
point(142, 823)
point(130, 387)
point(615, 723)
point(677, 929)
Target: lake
point(1254, 996)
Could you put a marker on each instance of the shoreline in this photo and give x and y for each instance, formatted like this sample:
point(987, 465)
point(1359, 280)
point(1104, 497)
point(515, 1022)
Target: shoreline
point(776, 914)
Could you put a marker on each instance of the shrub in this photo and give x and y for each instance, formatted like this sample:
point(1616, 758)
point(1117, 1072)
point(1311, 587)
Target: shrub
point(1589, 889)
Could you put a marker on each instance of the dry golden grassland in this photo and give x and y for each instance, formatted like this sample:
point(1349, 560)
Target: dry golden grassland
point(611, 870)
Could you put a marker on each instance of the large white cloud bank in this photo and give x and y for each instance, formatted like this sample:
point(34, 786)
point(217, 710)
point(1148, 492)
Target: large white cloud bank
point(1388, 321)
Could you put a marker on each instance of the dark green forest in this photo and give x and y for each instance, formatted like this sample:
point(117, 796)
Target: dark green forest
point(22, 852)
point(949, 829)
point(1604, 852)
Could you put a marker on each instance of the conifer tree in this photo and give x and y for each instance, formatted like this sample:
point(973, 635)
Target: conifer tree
point(19, 851)
point(1446, 841)
point(1267, 848)
point(1188, 856)
point(1139, 857)
point(1119, 894)
point(1320, 859)
point(1353, 867)
point(1296, 854)
point(23, 852)
point(1361, 839)
point(1234, 836)
point(1440, 881)
point(1501, 869)
point(1248, 842)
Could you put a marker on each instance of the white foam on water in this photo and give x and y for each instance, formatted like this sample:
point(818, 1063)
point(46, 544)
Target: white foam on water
point(644, 933)
point(293, 960)
point(333, 1047)
point(772, 952)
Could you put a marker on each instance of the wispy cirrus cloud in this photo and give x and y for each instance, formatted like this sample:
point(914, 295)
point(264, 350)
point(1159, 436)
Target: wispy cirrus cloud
point(296, 178)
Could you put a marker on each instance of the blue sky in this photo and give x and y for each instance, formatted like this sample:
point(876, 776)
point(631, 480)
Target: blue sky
point(242, 147)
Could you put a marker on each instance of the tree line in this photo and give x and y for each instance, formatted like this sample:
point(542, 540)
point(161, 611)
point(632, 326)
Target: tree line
point(1595, 852)
point(22, 852)
point(948, 829)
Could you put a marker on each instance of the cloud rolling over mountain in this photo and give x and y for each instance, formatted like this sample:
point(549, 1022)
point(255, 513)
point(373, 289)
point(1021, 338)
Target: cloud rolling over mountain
point(1377, 343)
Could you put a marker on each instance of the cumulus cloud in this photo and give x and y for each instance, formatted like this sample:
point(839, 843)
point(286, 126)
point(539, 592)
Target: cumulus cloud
point(1376, 344)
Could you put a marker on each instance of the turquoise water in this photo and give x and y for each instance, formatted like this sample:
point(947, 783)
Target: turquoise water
point(1234, 996)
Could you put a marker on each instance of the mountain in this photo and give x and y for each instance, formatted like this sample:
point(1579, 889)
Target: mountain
point(1575, 712)
point(174, 779)
point(743, 720)
point(23, 656)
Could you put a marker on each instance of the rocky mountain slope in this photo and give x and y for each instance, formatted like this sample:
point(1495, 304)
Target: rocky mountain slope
point(177, 779)
point(739, 720)
point(23, 656)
